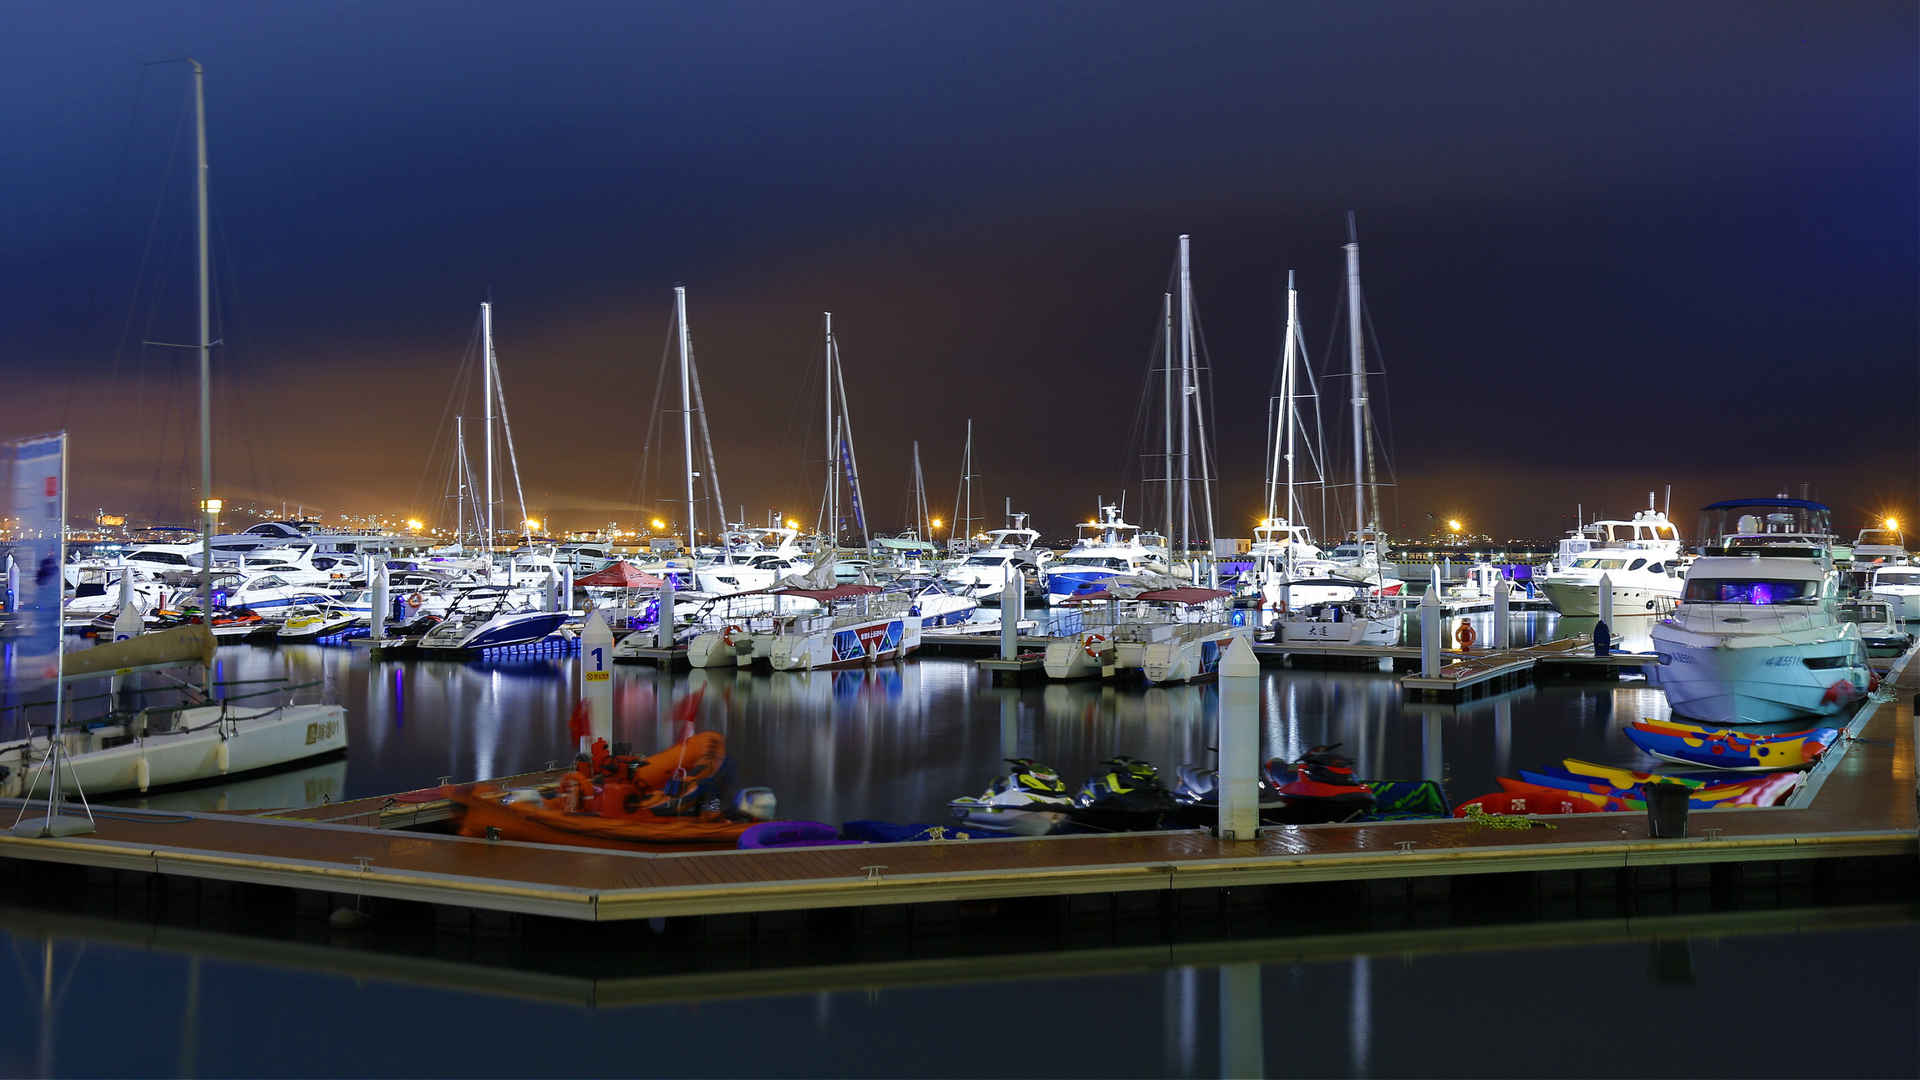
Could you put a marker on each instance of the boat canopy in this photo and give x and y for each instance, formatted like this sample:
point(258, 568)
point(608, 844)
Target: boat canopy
point(1185, 594)
point(621, 575)
point(827, 596)
point(1778, 503)
point(180, 645)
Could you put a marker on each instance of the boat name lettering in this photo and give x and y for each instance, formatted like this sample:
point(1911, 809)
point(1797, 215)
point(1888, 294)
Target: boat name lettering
point(322, 730)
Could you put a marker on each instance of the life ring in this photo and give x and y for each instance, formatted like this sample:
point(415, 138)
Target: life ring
point(1465, 636)
point(416, 600)
point(1092, 643)
point(726, 636)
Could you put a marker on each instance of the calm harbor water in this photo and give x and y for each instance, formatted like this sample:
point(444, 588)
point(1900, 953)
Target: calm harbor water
point(104, 998)
point(897, 741)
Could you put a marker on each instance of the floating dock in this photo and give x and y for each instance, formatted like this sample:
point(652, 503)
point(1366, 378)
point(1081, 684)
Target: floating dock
point(1859, 803)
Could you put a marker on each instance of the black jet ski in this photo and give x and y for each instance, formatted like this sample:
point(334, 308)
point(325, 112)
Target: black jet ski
point(1125, 795)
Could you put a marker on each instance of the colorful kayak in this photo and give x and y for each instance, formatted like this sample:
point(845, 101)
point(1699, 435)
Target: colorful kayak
point(786, 834)
point(1700, 797)
point(1622, 777)
point(1507, 802)
point(1732, 750)
point(489, 811)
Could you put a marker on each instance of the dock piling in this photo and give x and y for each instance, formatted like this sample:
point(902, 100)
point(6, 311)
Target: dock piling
point(596, 679)
point(1606, 599)
point(1502, 630)
point(378, 625)
point(663, 629)
point(1239, 742)
point(1430, 633)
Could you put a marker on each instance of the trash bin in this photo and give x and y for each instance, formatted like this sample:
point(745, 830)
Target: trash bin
point(1666, 809)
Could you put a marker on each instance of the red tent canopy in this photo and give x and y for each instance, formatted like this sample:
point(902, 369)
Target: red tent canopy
point(1185, 594)
point(621, 575)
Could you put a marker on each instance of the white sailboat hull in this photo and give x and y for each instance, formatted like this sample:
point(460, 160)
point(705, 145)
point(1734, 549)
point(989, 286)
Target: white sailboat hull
point(206, 747)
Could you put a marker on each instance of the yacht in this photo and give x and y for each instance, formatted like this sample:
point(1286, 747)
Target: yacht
point(933, 602)
point(311, 533)
point(1757, 638)
point(490, 617)
point(1162, 635)
point(1879, 546)
point(1880, 629)
point(1351, 622)
point(1898, 586)
point(772, 554)
point(1106, 547)
point(860, 625)
point(1364, 555)
point(1640, 558)
point(984, 572)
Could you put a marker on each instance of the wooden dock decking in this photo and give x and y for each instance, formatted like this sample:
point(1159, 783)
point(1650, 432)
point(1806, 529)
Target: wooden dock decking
point(1861, 804)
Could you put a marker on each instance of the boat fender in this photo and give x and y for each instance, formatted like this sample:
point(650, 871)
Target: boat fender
point(1095, 644)
point(142, 773)
point(221, 758)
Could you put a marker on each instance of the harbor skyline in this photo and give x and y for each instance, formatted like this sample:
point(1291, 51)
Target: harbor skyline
point(1599, 262)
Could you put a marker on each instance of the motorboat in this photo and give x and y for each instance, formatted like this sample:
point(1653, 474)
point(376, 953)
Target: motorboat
point(768, 555)
point(1366, 555)
point(313, 623)
point(1349, 622)
point(1164, 635)
point(1899, 586)
point(1879, 546)
point(984, 572)
point(268, 594)
point(488, 617)
point(99, 595)
point(933, 602)
point(857, 624)
point(1881, 632)
point(159, 747)
point(1757, 638)
point(1030, 799)
point(1641, 558)
point(307, 532)
point(1106, 547)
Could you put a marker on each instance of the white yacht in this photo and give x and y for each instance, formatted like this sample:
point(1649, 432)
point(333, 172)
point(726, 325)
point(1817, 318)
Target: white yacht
point(1880, 546)
point(1162, 635)
point(983, 573)
point(324, 541)
point(1105, 548)
point(1900, 587)
point(1880, 629)
point(1364, 556)
point(1640, 557)
point(1757, 639)
point(1351, 622)
point(773, 554)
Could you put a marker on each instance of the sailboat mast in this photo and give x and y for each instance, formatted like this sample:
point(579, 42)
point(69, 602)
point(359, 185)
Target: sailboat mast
point(206, 353)
point(1358, 370)
point(1166, 398)
point(486, 393)
point(460, 482)
point(832, 525)
point(969, 518)
point(686, 407)
point(1186, 392)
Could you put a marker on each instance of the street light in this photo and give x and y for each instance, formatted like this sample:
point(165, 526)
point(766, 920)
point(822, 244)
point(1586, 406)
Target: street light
point(415, 525)
point(1892, 524)
point(1453, 524)
point(531, 524)
point(936, 524)
point(658, 524)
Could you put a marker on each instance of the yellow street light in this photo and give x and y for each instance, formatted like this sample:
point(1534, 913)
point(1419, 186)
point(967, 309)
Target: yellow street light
point(935, 523)
point(1453, 524)
point(1892, 524)
point(792, 524)
point(532, 524)
point(658, 524)
point(212, 506)
point(415, 525)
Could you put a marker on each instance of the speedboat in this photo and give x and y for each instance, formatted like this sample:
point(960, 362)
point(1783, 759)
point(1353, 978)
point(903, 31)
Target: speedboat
point(858, 624)
point(1756, 639)
point(761, 559)
point(97, 596)
point(1030, 800)
point(1353, 622)
point(1880, 631)
point(984, 573)
point(1164, 635)
point(313, 623)
point(486, 618)
point(268, 594)
point(932, 601)
point(1365, 555)
point(1899, 586)
point(1107, 547)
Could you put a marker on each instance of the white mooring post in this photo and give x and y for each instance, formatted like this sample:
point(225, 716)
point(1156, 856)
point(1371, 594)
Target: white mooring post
point(1502, 628)
point(1010, 598)
point(1430, 634)
point(663, 630)
point(13, 584)
point(1606, 600)
point(1433, 584)
point(596, 680)
point(1238, 780)
point(126, 626)
point(566, 586)
point(377, 626)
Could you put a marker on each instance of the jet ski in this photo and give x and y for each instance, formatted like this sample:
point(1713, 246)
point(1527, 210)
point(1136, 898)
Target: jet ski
point(1196, 797)
point(1127, 795)
point(1030, 800)
point(1319, 787)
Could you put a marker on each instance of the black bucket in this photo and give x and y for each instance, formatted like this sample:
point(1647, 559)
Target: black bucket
point(1666, 809)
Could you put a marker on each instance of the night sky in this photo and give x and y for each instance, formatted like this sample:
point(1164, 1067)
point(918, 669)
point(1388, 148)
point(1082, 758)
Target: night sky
point(1607, 248)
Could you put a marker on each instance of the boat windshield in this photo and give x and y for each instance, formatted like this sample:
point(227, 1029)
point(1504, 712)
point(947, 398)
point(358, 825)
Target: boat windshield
point(1877, 538)
point(1092, 560)
point(1899, 577)
point(986, 560)
point(1862, 612)
point(1600, 564)
point(1750, 591)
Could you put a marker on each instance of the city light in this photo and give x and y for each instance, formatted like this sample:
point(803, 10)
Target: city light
point(212, 506)
point(658, 524)
point(1453, 524)
point(936, 523)
point(1892, 524)
point(415, 525)
point(792, 524)
point(531, 524)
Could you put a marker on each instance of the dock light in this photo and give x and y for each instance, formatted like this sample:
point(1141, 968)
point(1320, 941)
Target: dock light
point(1892, 524)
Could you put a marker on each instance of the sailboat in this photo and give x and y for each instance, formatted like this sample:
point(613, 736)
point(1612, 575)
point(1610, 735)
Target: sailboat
point(1365, 551)
point(204, 741)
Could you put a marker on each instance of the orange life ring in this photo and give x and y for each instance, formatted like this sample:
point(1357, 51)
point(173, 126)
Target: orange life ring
point(1465, 636)
point(726, 636)
point(416, 600)
point(1092, 644)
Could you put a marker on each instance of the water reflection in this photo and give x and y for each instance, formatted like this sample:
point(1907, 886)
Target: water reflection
point(898, 741)
point(186, 1001)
